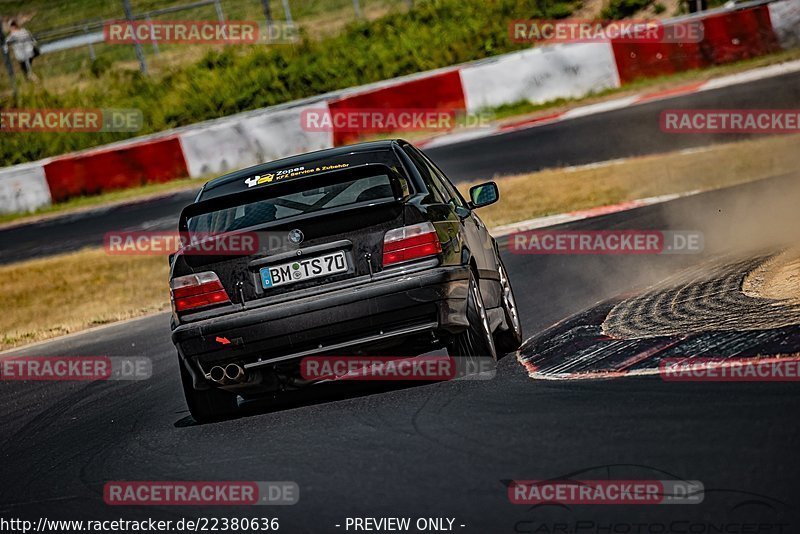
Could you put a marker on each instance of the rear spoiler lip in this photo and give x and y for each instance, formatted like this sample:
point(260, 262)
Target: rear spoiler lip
point(259, 193)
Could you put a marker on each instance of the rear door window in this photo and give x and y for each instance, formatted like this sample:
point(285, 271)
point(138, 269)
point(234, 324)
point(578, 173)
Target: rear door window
point(439, 194)
point(439, 177)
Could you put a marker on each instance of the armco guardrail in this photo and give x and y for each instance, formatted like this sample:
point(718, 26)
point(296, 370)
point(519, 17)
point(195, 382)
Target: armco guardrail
point(538, 74)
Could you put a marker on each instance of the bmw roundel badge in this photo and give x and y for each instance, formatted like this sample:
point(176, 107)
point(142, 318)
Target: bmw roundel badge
point(296, 236)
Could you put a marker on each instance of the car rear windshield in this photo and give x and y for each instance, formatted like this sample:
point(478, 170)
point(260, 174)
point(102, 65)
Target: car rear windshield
point(300, 200)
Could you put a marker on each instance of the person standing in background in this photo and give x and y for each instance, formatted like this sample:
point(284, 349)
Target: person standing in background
point(24, 47)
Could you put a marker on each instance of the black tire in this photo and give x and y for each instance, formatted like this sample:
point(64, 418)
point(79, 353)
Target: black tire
point(508, 340)
point(476, 341)
point(207, 405)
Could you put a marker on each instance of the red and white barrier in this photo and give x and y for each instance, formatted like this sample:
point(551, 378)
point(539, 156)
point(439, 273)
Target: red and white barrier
point(278, 134)
point(785, 17)
point(540, 75)
point(729, 36)
point(537, 75)
point(216, 149)
point(119, 167)
point(250, 139)
point(441, 90)
point(23, 188)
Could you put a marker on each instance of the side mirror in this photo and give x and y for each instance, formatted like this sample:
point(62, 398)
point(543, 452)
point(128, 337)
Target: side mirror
point(483, 195)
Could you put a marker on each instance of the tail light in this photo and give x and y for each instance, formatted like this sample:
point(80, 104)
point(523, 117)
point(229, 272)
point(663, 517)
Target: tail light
point(410, 243)
point(197, 291)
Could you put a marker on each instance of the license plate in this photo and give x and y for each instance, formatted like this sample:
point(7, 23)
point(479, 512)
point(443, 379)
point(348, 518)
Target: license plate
point(305, 269)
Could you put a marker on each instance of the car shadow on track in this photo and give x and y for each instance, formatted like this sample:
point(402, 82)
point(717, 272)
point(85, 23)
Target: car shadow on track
point(313, 395)
point(320, 394)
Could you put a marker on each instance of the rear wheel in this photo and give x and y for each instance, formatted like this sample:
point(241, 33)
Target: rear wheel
point(511, 339)
point(207, 405)
point(476, 341)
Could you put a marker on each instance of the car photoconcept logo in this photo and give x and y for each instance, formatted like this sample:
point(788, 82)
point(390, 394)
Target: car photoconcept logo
point(258, 180)
point(296, 236)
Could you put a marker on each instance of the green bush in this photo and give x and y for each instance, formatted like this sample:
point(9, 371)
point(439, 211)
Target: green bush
point(621, 9)
point(99, 66)
point(436, 33)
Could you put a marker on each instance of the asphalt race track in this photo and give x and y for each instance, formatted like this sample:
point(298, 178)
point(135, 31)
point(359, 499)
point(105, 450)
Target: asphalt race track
point(440, 450)
point(627, 132)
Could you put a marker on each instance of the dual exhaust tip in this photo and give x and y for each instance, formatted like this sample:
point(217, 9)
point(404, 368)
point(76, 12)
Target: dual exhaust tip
point(230, 374)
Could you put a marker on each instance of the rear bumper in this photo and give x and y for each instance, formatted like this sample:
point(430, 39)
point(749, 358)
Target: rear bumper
point(433, 299)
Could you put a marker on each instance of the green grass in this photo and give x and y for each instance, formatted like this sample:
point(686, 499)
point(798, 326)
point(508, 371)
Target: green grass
point(77, 64)
point(621, 9)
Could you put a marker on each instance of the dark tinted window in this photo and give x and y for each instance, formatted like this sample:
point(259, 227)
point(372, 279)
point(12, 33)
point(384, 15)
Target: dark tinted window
point(309, 200)
point(442, 181)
